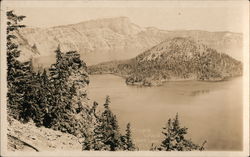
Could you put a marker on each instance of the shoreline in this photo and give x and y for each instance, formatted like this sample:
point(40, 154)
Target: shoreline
point(161, 82)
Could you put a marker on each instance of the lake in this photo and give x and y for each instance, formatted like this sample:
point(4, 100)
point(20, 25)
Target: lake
point(211, 111)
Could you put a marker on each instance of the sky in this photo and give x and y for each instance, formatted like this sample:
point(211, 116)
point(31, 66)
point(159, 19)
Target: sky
point(180, 17)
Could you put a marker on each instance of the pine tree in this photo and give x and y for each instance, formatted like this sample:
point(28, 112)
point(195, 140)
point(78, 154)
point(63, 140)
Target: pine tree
point(175, 138)
point(94, 135)
point(129, 145)
point(68, 80)
point(59, 93)
point(107, 132)
point(27, 84)
point(42, 91)
point(12, 49)
point(19, 74)
point(77, 81)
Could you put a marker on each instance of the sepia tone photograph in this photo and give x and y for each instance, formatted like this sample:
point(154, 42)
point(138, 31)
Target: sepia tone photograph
point(137, 78)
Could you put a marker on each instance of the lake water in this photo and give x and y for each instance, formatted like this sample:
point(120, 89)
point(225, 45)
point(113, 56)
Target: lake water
point(211, 111)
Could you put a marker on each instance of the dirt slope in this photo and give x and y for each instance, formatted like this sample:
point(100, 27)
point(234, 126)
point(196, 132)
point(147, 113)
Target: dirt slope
point(28, 137)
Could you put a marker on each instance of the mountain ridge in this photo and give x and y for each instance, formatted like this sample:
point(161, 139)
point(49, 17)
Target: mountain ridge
point(109, 39)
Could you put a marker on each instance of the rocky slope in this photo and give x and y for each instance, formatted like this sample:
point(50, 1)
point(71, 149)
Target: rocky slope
point(174, 59)
point(116, 38)
point(28, 51)
point(28, 137)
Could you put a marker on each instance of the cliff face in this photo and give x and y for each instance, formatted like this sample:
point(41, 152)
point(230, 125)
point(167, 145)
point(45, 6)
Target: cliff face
point(116, 38)
point(27, 50)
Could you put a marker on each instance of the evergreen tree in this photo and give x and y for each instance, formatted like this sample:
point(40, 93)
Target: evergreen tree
point(129, 145)
point(60, 99)
point(93, 140)
point(68, 80)
point(12, 49)
point(19, 74)
point(27, 85)
point(107, 132)
point(175, 138)
point(41, 98)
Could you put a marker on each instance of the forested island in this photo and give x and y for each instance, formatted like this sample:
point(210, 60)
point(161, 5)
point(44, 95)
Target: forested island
point(172, 60)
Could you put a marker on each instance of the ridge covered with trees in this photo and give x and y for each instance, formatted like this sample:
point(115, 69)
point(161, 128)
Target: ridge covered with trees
point(174, 59)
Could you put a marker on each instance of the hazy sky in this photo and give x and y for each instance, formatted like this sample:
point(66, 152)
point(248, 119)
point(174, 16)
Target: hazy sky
point(211, 18)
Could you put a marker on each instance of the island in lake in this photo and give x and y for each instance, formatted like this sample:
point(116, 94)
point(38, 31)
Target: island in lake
point(173, 60)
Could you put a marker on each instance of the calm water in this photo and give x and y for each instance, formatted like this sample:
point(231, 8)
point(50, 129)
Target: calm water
point(211, 110)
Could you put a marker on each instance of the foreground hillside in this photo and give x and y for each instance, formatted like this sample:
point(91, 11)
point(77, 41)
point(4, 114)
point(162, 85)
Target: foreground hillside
point(28, 137)
point(113, 39)
point(171, 60)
